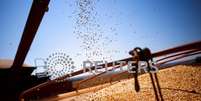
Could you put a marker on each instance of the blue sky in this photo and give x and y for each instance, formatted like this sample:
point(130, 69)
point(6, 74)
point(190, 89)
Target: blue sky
point(123, 24)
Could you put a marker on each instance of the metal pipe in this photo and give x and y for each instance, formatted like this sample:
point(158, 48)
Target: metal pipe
point(38, 8)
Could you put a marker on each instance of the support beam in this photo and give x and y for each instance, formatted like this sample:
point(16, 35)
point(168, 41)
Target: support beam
point(38, 9)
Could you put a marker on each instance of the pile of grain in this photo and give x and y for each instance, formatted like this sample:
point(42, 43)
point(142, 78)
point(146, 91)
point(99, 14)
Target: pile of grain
point(180, 83)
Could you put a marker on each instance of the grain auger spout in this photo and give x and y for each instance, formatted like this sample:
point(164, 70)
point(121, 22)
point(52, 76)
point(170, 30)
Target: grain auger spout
point(145, 56)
